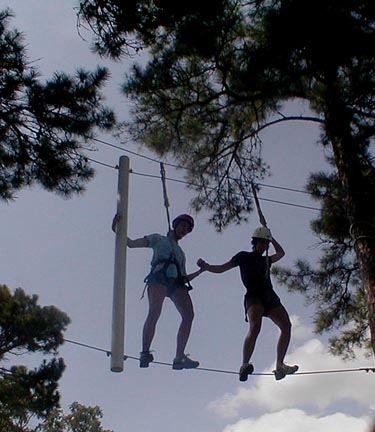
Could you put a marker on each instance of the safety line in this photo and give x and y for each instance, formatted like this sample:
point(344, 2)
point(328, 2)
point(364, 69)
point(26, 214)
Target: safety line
point(165, 194)
point(151, 159)
point(194, 184)
point(331, 371)
point(101, 163)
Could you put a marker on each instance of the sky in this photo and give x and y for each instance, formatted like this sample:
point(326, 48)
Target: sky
point(63, 251)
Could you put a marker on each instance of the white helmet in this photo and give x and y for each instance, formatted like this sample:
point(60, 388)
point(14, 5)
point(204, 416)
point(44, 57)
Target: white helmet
point(262, 233)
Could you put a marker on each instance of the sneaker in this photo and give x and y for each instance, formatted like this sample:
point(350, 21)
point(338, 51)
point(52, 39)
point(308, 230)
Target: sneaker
point(245, 370)
point(145, 359)
point(184, 362)
point(284, 370)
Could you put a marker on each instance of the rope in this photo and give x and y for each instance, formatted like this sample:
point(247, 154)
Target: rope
point(165, 195)
point(262, 221)
point(360, 237)
point(108, 353)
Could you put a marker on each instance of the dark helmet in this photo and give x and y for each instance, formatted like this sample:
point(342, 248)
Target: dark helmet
point(183, 218)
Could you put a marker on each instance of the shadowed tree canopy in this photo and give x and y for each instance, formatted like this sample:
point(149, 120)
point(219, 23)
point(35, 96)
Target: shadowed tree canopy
point(26, 327)
point(81, 419)
point(45, 126)
point(204, 97)
point(334, 285)
point(123, 26)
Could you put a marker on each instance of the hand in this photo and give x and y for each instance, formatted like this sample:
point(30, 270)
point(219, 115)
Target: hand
point(202, 264)
point(115, 222)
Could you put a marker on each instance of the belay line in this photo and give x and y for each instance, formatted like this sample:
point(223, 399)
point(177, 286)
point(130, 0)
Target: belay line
point(165, 194)
point(108, 353)
point(262, 221)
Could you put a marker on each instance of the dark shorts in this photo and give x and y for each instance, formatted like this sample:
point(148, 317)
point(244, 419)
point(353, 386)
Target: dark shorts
point(170, 283)
point(270, 302)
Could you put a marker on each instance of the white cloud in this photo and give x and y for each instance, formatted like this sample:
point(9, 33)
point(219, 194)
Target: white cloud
point(314, 391)
point(301, 332)
point(294, 420)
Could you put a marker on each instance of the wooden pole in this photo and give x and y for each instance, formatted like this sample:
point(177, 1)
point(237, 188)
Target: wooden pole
point(119, 282)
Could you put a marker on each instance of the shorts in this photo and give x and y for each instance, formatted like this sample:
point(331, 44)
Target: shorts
point(170, 283)
point(272, 301)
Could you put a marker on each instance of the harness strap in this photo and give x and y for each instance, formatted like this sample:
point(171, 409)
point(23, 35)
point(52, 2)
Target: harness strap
point(167, 262)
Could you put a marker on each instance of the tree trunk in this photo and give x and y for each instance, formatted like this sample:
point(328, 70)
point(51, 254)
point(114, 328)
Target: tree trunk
point(359, 195)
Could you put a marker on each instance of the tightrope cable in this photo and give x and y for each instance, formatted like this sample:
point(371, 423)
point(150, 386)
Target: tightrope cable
point(204, 369)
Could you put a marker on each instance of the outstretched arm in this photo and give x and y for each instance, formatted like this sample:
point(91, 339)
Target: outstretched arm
point(193, 275)
point(221, 268)
point(207, 267)
point(137, 243)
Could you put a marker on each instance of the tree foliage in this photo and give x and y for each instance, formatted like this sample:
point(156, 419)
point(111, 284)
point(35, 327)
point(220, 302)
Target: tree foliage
point(334, 286)
point(80, 419)
point(123, 26)
point(45, 126)
point(205, 97)
point(26, 327)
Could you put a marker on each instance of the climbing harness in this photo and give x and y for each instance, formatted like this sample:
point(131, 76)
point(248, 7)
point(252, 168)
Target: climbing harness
point(160, 267)
point(159, 271)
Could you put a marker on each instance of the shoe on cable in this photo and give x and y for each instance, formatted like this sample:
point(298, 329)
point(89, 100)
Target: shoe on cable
point(184, 362)
point(284, 370)
point(246, 370)
point(145, 359)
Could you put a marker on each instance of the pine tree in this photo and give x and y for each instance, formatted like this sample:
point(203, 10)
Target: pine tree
point(26, 327)
point(44, 126)
point(334, 286)
point(81, 418)
point(204, 97)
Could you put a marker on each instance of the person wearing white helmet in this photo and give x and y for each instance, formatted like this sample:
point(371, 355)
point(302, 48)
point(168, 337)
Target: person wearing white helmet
point(260, 298)
point(167, 278)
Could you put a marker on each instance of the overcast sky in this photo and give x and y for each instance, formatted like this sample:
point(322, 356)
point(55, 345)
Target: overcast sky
point(63, 251)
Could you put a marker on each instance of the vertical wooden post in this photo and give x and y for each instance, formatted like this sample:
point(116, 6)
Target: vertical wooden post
point(119, 282)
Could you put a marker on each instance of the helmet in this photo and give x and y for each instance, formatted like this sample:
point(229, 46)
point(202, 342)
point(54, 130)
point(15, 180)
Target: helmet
point(183, 218)
point(262, 233)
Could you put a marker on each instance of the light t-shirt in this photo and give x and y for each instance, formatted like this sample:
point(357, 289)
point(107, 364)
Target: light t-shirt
point(163, 247)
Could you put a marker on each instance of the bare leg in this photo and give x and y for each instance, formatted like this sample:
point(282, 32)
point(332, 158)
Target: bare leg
point(280, 317)
point(156, 296)
point(255, 314)
point(184, 305)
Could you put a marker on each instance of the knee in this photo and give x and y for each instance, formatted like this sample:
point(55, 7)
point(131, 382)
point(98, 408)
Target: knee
point(255, 327)
point(287, 327)
point(154, 312)
point(188, 316)
point(191, 316)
